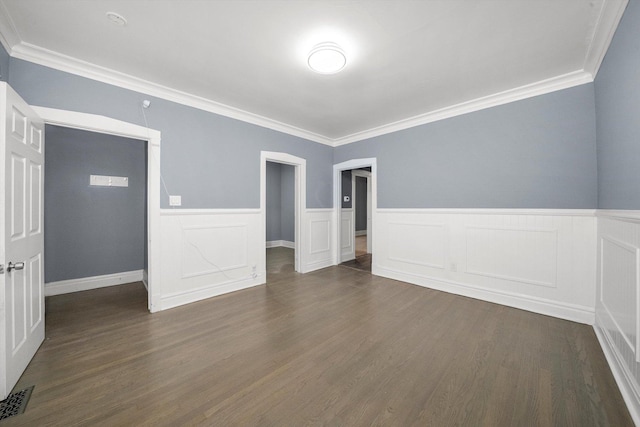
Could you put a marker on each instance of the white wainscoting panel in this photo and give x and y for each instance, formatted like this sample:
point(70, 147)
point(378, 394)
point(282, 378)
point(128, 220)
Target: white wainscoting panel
point(617, 303)
point(347, 234)
point(209, 252)
point(319, 228)
point(418, 243)
point(529, 259)
point(201, 258)
point(535, 250)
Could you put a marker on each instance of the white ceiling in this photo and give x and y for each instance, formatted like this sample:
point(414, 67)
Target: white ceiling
point(409, 62)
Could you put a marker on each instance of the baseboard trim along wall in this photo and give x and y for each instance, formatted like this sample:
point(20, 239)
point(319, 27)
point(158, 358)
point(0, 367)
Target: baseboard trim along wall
point(192, 295)
point(95, 282)
point(565, 311)
point(624, 378)
point(280, 244)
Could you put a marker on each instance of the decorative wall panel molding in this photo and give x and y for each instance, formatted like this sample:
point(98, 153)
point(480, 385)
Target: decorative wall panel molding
point(200, 257)
point(516, 254)
point(539, 262)
point(209, 253)
point(418, 243)
point(319, 232)
point(618, 306)
point(619, 267)
point(319, 223)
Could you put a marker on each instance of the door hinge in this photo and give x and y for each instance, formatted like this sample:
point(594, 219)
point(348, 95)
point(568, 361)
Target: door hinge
point(1, 268)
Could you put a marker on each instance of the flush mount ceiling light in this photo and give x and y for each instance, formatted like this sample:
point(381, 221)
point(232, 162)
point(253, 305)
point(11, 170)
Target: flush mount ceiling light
point(327, 58)
point(117, 19)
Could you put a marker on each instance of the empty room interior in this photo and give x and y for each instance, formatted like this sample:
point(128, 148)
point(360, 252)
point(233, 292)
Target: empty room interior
point(345, 213)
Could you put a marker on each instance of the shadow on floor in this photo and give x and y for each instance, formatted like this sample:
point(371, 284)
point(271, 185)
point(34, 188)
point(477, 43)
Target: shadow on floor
point(362, 262)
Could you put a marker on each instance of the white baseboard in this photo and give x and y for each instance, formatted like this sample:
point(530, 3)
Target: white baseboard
point(313, 266)
point(194, 295)
point(361, 232)
point(571, 312)
point(145, 279)
point(281, 243)
point(621, 374)
point(95, 282)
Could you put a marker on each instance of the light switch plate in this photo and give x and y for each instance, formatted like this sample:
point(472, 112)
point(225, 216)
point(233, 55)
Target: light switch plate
point(175, 200)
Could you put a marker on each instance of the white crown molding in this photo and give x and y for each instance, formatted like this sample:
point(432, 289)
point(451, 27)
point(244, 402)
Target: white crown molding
point(606, 25)
point(58, 61)
point(47, 58)
point(608, 19)
point(8, 34)
point(542, 87)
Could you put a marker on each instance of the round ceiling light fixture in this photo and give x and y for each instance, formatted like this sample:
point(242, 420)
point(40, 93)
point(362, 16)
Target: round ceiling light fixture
point(327, 58)
point(117, 19)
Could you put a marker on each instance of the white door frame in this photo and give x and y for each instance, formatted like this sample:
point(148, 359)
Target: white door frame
point(300, 166)
point(107, 125)
point(366, 175)
point(337, 201)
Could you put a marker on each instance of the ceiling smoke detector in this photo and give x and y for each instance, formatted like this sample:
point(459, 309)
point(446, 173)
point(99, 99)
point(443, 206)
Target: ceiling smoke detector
point(327, 58)
point(117, 19)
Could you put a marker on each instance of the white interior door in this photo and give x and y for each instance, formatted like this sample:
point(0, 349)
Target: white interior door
point(366, 175)
point(348, 226)
point(21, 237)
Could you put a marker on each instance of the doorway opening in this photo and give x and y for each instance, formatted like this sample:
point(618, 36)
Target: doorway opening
point(280, 218)
point(282, 202)
point(95, 204)
point(106, 125)
point(355, 204)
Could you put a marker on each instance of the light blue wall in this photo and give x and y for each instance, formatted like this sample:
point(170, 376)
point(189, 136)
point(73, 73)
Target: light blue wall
point(273, 202)
point(4, 64)
point(617, 89)
point(92, 231)
point(280, 201)
point(535, 153)
point(210, 160)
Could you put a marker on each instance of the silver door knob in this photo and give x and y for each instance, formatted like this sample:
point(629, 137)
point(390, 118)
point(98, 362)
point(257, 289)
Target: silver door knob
point(16, 266)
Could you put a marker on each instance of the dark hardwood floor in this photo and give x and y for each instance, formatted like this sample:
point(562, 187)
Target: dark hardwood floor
point(335, 347)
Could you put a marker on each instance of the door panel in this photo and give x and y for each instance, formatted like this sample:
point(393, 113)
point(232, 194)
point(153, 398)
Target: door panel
point(21, 237)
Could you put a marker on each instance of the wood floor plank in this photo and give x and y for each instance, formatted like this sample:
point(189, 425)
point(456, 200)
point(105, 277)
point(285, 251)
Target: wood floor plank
point(336, 347)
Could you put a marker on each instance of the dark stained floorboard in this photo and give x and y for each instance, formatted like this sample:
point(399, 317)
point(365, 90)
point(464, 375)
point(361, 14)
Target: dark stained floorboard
point(333, 347)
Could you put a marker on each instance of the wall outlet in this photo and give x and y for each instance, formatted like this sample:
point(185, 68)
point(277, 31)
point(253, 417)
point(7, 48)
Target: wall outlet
point(454, 267)
point(175, 200)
